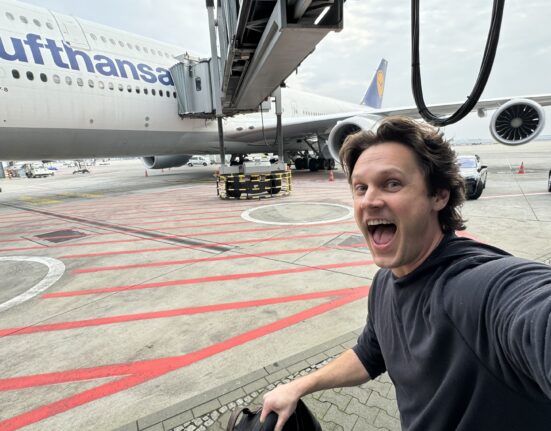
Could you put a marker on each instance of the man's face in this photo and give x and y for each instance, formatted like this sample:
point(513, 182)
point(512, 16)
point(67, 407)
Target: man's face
point(392, 207)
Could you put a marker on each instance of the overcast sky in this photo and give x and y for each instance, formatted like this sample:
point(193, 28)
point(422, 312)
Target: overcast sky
point(453, 35)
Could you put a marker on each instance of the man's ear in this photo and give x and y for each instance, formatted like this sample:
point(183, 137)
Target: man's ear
point(441, 198)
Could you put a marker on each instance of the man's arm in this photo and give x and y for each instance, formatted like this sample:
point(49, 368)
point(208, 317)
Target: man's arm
point(346, 370)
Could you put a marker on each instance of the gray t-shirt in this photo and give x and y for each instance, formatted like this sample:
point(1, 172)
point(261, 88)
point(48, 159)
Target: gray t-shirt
point(466, 339)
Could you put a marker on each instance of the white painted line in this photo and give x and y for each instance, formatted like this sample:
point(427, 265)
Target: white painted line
point(247, 214)
point(56, 268)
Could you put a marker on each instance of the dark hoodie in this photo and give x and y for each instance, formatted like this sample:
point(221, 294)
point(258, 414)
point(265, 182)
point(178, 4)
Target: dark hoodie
point(466, 339)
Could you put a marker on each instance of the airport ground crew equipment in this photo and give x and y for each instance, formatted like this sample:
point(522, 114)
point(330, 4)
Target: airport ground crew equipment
point(256, 184)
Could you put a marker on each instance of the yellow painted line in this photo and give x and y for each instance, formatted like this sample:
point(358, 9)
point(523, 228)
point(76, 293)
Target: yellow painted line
point(81, 195)
point(39, 201)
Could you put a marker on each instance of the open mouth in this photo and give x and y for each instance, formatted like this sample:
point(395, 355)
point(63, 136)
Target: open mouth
point(381, 231)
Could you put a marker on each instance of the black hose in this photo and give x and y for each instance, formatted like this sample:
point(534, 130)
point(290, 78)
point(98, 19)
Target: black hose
point(483, 74)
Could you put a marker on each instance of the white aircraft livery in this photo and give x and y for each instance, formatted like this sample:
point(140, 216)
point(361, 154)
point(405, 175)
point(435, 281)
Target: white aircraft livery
point(71, 89)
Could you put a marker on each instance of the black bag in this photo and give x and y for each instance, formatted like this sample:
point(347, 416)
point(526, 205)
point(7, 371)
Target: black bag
point(301, 420)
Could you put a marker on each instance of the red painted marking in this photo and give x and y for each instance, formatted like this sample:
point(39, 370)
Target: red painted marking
point(172, 313)
point(212, 259)
point(218, 244)
point(142, 371)
point(210, 279)
point(116, 241)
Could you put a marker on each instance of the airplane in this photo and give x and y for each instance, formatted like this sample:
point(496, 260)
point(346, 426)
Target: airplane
point(74, 89)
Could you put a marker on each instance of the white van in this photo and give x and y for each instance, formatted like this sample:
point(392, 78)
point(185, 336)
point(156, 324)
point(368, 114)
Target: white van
point(198, 161)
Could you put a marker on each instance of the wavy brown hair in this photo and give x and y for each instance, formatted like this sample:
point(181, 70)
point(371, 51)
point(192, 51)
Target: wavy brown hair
point(433, 153)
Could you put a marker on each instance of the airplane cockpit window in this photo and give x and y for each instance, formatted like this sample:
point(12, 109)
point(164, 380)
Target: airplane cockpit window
point(57, 79)
point(43, 77)
point(30, 76)
point(91, 83)
point(24, 19)
point(37, 23)
point(68, 80)
point(101, 85)
point(10, 16)
point(49, 25)
point(80, 82)
point(15, 73)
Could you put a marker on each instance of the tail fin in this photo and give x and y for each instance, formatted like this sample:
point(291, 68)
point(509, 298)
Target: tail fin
point(374, 95)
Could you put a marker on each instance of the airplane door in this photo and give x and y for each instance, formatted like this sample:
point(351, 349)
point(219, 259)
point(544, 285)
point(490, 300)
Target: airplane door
point(71, 31)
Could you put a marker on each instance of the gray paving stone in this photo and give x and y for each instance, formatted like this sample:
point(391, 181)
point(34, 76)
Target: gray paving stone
point(389, 406)
point(205, 408)
point(133, 426)
point(360, 394)
point(316, 358)
point(278, 375)
point(256, 385)
point(388, 422)
point(346, 421)
point(156, 427)
point(382, 388)
point(318, 408)
point(333, 397)
point(294, 368)
point(180, 419)
point(337, 350)
point(231, 396)
point(361, 410)
point(363, 425)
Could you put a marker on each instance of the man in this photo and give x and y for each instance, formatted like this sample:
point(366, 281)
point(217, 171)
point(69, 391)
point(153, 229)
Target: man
point(463, 329)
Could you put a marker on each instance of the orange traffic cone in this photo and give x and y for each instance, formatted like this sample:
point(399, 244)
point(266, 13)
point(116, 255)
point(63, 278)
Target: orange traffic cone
point(521, 169)
point(331, 176)
point(146, 174)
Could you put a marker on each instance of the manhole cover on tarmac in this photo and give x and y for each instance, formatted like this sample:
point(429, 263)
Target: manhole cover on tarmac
point(298, 213)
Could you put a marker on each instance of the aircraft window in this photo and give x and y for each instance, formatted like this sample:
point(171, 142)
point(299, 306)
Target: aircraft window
point(101, 85)
point(138, 90)
point(174, 94)
point(68, 80)
point(167, 93)
point(37, 23)
point(10, 16)
point(121, 43)
point(161, 93)
point(129, 88)
point(50, 25)
point(24, 19)
point(111, 86)
point(121, 87)
point(93, 36)
point(128, 45)
point(57, 79)
point(153, 91)
point(30, 76)
point(198, 84)
point(146, 50)
point(90, 83)
point(160, 53)
point(15, 73)
point(167, 55)
point(80, 82)
point(103, 39)
point(43, 77)
point(138, 48)
point(112, 41)
point(145, 91)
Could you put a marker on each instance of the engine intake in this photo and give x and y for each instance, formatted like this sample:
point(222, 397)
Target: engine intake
point(343, 129)
point(517, 122)
point(165, 162)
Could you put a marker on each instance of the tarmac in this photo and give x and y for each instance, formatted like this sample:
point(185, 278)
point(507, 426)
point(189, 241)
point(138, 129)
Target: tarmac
point(135, 302)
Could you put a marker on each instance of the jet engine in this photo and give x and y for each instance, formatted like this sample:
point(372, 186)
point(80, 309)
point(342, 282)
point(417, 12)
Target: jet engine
point(517, 122)
point(343, 129)
point(165, 162)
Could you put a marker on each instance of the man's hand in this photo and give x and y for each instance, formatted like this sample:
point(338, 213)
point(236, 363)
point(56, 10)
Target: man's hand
point(281, 400)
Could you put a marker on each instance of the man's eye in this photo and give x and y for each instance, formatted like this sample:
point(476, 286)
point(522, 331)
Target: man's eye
point(360, 189)
point(393, 184)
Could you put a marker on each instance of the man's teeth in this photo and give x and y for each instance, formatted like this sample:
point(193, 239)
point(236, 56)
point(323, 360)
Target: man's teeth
point(378, 222)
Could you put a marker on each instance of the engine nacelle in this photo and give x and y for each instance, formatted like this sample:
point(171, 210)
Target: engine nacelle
point(517, 122)
point(343, 129)
point(165, 162)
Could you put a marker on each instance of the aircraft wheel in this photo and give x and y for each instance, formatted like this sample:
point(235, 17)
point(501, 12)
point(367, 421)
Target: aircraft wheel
point(313, 165)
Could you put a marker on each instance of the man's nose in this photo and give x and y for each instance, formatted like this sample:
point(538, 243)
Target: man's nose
point(372, 199)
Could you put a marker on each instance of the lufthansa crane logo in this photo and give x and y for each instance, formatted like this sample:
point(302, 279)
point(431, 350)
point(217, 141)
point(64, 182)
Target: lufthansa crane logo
point(380, 82)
